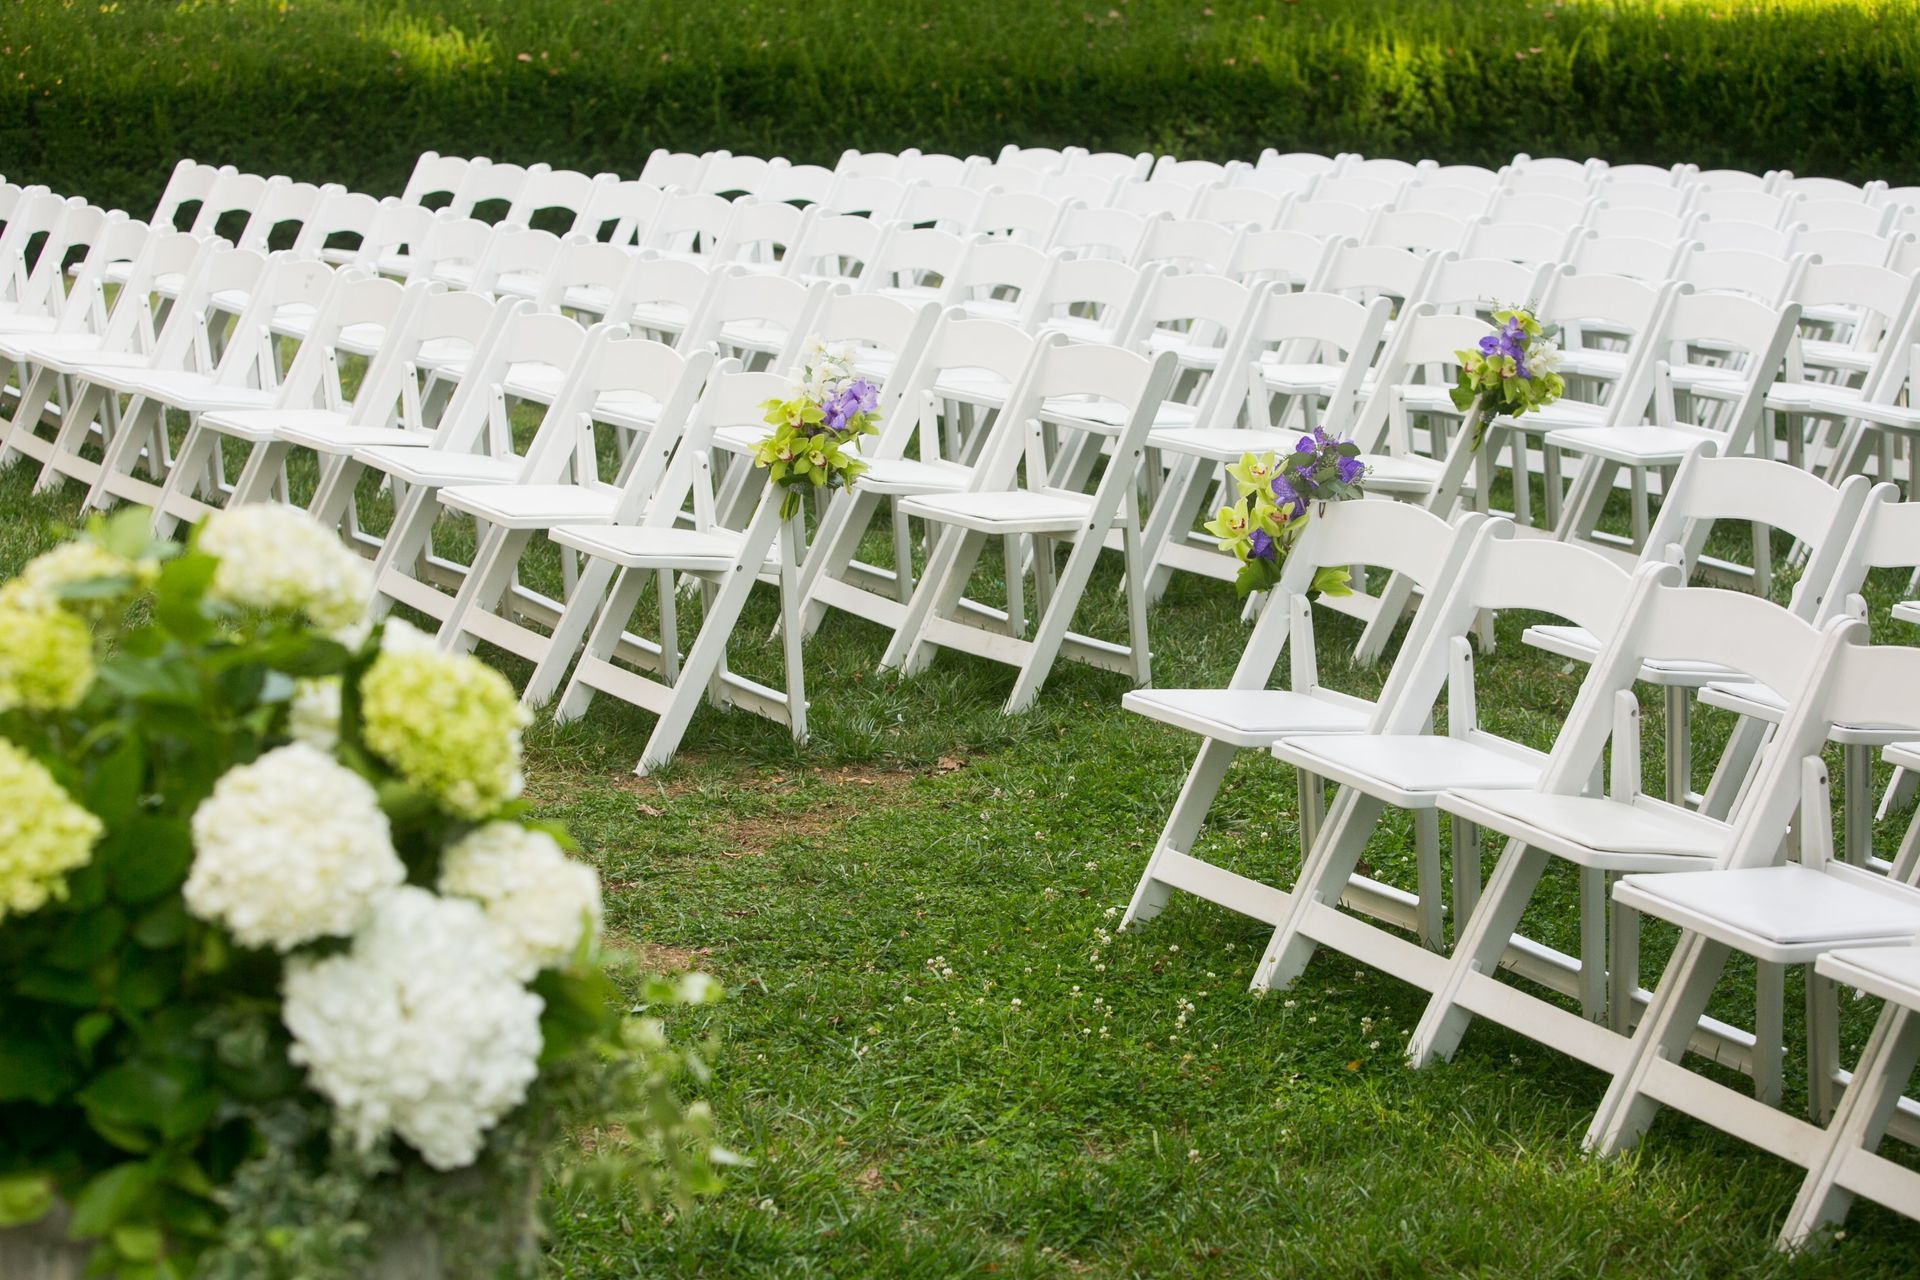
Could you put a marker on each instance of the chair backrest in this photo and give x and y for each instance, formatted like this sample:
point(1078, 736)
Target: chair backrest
point(452, 249)
point(682, 169)
point(230, 193)
point(1652, 197)
point(134, 320)
point(1188, 244)
point(1188, 173)
point(1886, 536)
point(566, 448)
point(1667, 622)
point(1709, 488)
point(1650, 260)
point(666, 295)
point(619, 212)
point(491, 185)
point(1089, 299)
point(1425, 196)
point(1466, 177)
point(1503, 572)
point(457, 327)
point(836, 246)
point(1424, 232)
point(1731, 180)
point(730, 398)
point(889, 338)
point(1205, 308)
point(369, 304)
point(1760, 276)
point(1246, 207)
point(1028, 218)
point(990, 269)
point(1622, 306)
point(1100, 232)
point(940, 170)
point(762, 233)
point(1366, 271)
point(1325, 218)
point(1647, 175)
point(1845, 215)
point(1305, 162)
point(1067, 373)
point(1827, 188)
point(1358, 189)
point(284, 203)
point(1424, 342)
point(339, 213)
point(908, 256)
point(567, 192)
point(1113, 166)
point(878, 196)
point(1529, 242)
point(289, 284)
point(1149, 198)
point(688, 223)
point(957, 346)
point(1646, 224)
point(771, 307)
point(77, 227)
point(1291, 258)
point(587, 275)
point(1840, 245)
point(1302, 327)
point(188, 184)
point(1880, 298)
point(1729, 323)
point(1479, 286)
point(476, 418)
point(514, 250)
point(952, 209)
point(436, 175)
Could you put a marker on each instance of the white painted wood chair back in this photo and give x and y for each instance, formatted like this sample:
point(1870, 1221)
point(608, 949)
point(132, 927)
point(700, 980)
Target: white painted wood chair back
point(1092, 231)
point(837, 247)
point(1291, 259)
point(916, 264)
point(619, 213)
point(1422, 231)
point(436, 175)
point(188, 184)
point(1189, 245)
point(492, 189)
point(665, 298)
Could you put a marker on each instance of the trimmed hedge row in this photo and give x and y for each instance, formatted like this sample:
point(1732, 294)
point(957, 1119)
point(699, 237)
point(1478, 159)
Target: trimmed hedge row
point(104, 97)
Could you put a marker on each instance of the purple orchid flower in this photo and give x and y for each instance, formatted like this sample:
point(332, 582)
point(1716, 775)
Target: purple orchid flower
point(1350, 469)
point(1261, 546)
point(1287, 498)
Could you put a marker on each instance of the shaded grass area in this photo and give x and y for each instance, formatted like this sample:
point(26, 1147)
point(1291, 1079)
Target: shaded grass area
point(943, 1064)
point(102, 98)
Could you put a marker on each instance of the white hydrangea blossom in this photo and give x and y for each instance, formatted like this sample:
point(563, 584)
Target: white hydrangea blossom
point(274, 557)
point(290, 848)
point(313, 714)
point(420, 1030)
point(540, 900)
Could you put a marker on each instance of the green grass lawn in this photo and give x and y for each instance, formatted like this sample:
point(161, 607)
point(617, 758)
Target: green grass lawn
point(101, 98)
point(942, 1064)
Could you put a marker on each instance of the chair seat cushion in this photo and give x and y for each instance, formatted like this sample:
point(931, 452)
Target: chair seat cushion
point(1245, 717)
point(908, 476)
point(1892, 973)
point(195, 391)
point(1112, 414)
point(654, 547)
point(330, 433)
point(437, 468)
point(1007, 511)
point(1413, 762)
point(1222, 444)
point(533, 506)
point(1191, 354)
point(1609, 825)
point(1581, 645)
point(1643, 446)
point(1079, 329)
point(1788, 905)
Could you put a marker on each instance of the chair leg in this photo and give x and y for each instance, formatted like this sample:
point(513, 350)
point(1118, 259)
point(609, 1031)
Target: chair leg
point(182, 481)
point(1481, 944)
point(1769, 1031)
point(266, 466)
point(577, 616)
point(122, 452)
point(955, 553)
point(406, 542)
point(1823, 1046)
point(1182, 828)
point(1466, 872)
point(603, 640)
point(833, 549)
point(1323, 878)
point(1426, 856)
point(488, 581)
point(792, 642)
point(1663, 1034)
point(1055, 621)
point(1858, 1124)
point(1623, 968)
point(1679, 708)
point(1135, 581)
point(1593, 943)
point(1856, 761)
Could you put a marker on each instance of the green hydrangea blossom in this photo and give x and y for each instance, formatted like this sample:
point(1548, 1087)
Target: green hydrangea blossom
point(43, 834)
point(46, 653)
point(449, 724)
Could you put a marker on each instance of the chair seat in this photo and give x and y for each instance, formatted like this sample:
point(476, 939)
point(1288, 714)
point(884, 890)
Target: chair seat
point(1110, 415)
point(659, 317)
point(1300, 379)
point(1892, 973)
point(1253, 718)
point(655, 547)
point(1597, 822)
point(28, 324)
point(1645, 446)
point(1708, 379)
point(1751, 698)
point(331, 433)
point(1778, 907)
point(1904, 754)
point(1006, 310)
point(1079, 329)
point(753, 335)
point(1827, 354)
point(439, 468)
point(740, 439)
point(977, 385)
point(906, 476)
point(1414, 768)
point(35, 348)
point(269, 424)
point(591, 298)
point(1592, 363)
point(1402, 472)
point(1580, 644)
point(1907, 611)
point(196, 392)
point(90, 363)
point(1222, 444)
point(1190, 354)
point(1561, 415)
point(533, 506)
point(1814, 397)
point(1007, 511)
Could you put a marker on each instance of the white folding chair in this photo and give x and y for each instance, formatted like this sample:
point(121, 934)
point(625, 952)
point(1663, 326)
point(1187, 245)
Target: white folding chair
point(1247, 715)
point(993, 507)
point(1401, 762)
point(725, 562)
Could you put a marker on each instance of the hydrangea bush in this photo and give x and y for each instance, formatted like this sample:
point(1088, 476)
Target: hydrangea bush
point(282, 959)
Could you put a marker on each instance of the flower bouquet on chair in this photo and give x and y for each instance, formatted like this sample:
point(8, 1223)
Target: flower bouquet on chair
point(1278, 493)
point(291, 984)
point(816, 429)
point(1512, 371)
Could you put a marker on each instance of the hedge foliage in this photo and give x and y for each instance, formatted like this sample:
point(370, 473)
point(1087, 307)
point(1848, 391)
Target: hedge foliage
point(101, 97)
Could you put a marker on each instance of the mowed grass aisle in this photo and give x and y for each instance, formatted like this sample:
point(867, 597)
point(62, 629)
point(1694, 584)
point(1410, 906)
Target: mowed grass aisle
point(942, 1063)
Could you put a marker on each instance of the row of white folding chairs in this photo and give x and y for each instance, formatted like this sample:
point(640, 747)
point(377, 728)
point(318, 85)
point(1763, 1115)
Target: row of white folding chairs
point(1664, 858)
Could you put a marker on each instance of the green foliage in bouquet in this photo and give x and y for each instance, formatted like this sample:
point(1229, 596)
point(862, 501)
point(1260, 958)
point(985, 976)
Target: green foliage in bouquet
point(815, 430)
point(283, 962)
point(1512, 371)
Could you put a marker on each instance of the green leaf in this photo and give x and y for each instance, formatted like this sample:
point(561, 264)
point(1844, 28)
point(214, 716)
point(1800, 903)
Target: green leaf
point(88, 1032)
point(180, 593)
point(57, 987)
point(166, 1095)
point(140, 1242)
point(24, 1198)
point(146, 857)
point(1333, 580)
point(107, 1201)
point(163, 927)
point(160, 679)
point(35, 1064)
point(87, 939)
point(115, 788)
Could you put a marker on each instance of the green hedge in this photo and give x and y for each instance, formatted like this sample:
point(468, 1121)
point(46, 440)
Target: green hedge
point(101, 98)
